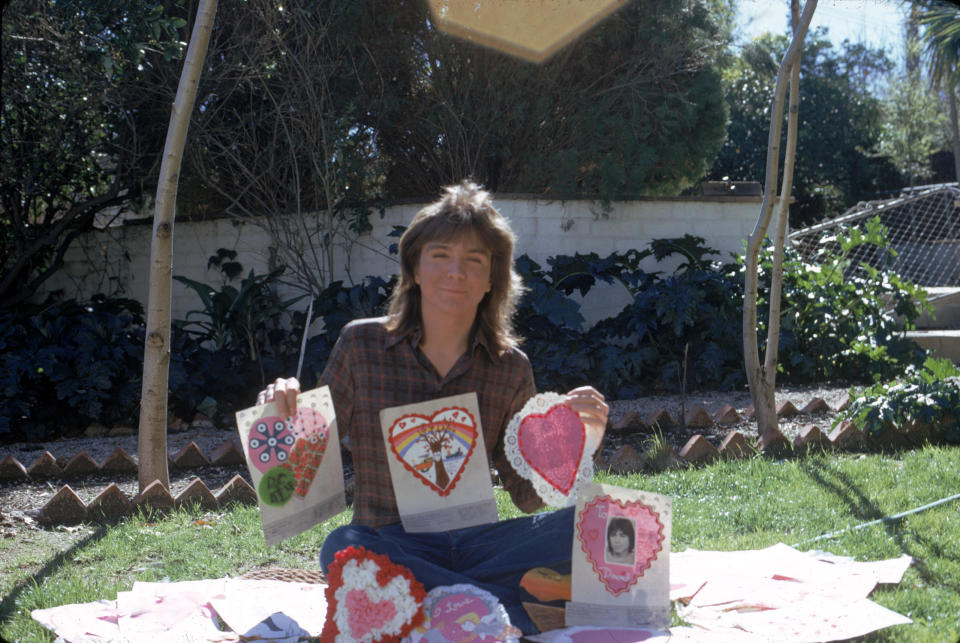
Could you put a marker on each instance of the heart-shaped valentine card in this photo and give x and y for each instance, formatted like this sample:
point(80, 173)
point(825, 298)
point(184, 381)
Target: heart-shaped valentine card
point(434, 448)
point(546, 443)
point(370, 599)
point(461, 613)
point(621, 539)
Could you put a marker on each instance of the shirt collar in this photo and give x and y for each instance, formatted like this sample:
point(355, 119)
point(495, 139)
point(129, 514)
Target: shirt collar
point(415, 335)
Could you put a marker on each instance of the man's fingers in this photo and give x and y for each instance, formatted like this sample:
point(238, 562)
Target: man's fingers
point(287, 402)
point(284, 392)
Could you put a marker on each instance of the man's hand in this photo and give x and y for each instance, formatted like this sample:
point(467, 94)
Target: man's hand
point(284, 392)
point(592, 408)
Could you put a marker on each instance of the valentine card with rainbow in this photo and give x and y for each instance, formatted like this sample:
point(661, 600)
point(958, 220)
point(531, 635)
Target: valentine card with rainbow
point(438, 464)
point(294, 463)
point(621, 555)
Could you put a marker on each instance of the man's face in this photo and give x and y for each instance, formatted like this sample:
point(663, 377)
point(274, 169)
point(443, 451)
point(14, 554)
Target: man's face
point(453, 275)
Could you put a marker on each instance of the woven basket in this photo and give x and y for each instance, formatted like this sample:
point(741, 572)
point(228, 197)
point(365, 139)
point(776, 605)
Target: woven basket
point(311, 576)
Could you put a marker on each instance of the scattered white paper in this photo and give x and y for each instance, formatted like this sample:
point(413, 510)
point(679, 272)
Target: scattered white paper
point(165, 611)
point(245, 603)
point(781, 594)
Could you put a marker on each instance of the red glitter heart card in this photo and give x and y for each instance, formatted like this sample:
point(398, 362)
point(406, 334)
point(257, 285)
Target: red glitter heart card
point(546, 443)
point(438, 464)
point(294, 463)
point(621, 553)
point(370, 599)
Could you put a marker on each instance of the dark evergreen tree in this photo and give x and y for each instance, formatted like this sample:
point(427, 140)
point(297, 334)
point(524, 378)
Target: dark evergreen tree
point(81, 127)
point(840, 124)
point(632, 108)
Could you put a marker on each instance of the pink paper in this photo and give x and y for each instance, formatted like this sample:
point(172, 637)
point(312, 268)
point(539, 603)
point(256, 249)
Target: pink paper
point(546, 443)
point(82, 623)
point(594, 527)
point(552, 443)
point(170, 609)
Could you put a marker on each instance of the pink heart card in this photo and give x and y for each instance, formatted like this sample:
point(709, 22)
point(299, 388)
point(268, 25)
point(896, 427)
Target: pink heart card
point(438, 464)
point(462, 613)
point(546, 443)
point(294, 463)
point(621, 553)
point(370, 599)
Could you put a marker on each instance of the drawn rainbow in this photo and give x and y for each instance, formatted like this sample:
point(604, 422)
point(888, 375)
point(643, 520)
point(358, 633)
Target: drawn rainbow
point(464, 434)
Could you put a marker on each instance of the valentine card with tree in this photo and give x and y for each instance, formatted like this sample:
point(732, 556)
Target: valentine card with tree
point(294, 463)
point(438, 464)
point(621, 554)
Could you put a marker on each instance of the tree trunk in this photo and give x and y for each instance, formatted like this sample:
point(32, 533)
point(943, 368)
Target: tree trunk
point(152, 441)
point(762, 378)
point(443, 478)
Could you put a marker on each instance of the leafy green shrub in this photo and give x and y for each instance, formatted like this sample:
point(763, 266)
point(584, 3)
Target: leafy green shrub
point(681, 324)
point(929, 395)
point(69, 364)
point(73, 363)
point(841, 319)
point(683, 329)
point(236, 319)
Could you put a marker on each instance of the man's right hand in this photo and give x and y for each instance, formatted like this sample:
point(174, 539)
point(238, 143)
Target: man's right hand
point(284, 392)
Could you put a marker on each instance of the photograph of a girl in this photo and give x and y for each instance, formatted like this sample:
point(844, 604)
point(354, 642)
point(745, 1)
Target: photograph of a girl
point(621, 538)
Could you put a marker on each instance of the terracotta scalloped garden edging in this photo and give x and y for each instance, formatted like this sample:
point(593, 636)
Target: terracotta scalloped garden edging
point(112, 504)
point(66, 507)
point(119, 461)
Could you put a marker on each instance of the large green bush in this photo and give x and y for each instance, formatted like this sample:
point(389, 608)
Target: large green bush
point(842, 319)
point(69, 364)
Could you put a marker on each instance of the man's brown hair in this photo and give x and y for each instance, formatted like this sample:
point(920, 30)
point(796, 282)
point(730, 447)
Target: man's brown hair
point(462, 209)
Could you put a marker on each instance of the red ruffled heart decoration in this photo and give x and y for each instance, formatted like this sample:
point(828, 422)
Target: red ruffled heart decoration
point(370, 599)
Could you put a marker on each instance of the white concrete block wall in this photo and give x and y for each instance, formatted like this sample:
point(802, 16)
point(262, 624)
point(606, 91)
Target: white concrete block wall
point(116, 260)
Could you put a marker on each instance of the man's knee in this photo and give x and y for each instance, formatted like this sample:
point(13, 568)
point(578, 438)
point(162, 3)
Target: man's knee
point(341, 538)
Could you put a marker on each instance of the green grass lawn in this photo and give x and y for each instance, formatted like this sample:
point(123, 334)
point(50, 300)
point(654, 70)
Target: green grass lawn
point(726, 506)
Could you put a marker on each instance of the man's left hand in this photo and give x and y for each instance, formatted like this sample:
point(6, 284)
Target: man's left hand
point(592, 408)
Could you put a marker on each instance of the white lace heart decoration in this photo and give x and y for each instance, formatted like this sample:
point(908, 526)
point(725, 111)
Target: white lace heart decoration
point(546, 443)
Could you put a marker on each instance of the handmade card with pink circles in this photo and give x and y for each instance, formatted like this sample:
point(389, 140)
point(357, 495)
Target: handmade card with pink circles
point(438, 464)
point(546, 443)
point(294, 463)
point(621, 554)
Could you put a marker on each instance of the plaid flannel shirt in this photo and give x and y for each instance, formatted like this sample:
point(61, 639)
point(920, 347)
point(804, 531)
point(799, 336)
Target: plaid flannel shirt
point(371, 369)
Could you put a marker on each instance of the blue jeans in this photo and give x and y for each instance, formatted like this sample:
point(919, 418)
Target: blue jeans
point(493, 556)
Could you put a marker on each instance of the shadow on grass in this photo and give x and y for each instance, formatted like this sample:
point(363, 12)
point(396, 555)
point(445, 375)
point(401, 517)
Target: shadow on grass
point(866, 510)
point(9, 603)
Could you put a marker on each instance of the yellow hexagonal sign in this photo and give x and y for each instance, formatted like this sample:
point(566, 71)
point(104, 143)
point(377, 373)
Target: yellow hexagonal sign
point(531, 29)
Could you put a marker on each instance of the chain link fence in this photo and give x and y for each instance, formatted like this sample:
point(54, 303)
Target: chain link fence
point(923, 226)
